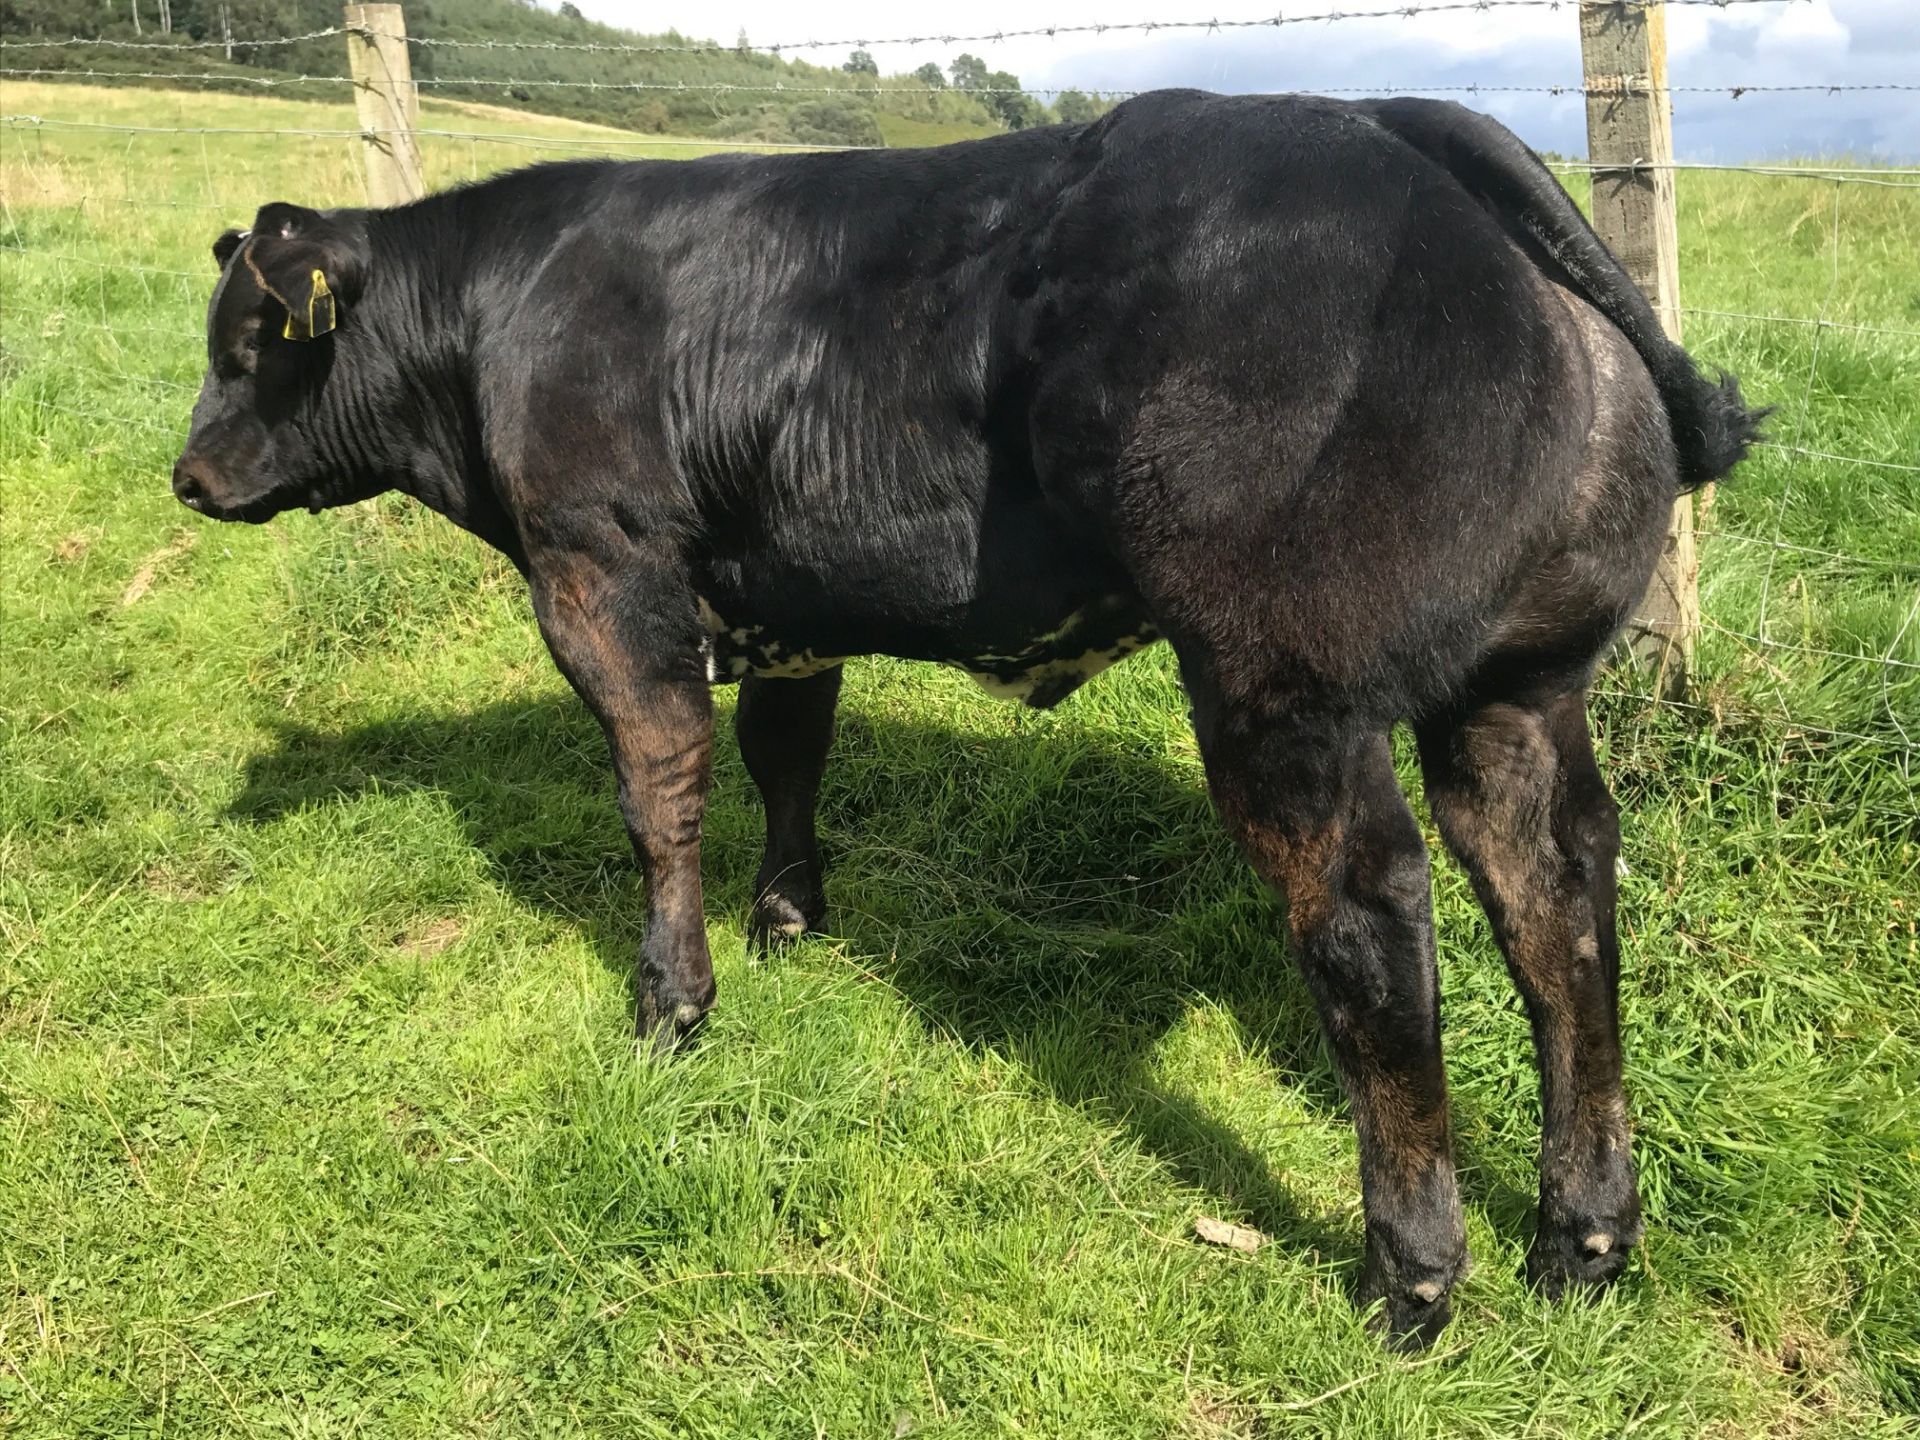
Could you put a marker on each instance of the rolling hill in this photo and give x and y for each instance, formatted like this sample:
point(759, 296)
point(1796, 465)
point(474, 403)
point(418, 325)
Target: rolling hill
point(553, 62)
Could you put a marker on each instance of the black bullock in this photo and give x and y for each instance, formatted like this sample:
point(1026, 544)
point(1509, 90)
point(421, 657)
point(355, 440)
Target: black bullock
point(1344, 401)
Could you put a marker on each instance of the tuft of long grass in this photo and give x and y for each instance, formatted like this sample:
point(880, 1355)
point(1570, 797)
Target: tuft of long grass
point(316, 918)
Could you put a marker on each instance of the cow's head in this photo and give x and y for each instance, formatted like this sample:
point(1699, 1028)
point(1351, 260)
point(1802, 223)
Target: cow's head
point(261, 440)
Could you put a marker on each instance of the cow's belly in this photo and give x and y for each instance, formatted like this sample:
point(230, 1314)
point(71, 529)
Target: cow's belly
point(1040, 671)
point(734, 652)
point(1045, 670)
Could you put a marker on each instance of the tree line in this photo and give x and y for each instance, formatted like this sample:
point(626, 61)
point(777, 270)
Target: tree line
point(847, 104)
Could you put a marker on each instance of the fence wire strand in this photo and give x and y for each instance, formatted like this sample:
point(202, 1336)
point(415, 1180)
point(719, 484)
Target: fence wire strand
point(1801, 320)
point(510, 83)
point(1406, 11)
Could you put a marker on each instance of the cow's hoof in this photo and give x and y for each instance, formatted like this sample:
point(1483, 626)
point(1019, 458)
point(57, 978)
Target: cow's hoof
point(662, 1027)
point(1418, 1303)
point(779, 920)
point(1571, 1255)
point(1561, 1263)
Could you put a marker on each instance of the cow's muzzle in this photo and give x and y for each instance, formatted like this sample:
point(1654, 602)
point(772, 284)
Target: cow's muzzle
point(200, 488)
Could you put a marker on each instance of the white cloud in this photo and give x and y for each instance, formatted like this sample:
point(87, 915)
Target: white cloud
point(1805, 32)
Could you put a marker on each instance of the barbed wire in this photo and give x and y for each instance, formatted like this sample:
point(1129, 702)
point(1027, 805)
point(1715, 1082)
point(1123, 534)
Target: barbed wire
point(1896, 177)
point(1841, 459)
point(114, 42)
point(68, 324)
point(1890, 178)
point(1740, 538)
point(138, 422)
point(1724, 714)
point(1278, 19)
point(265, 82)
point(1094, 28)
point(829, 89)
point(130, 266)
point(1781, 804)
point(1767, 642)
point(502, 137)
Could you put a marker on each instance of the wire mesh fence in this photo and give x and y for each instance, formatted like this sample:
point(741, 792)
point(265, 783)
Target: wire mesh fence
point(1797, 276)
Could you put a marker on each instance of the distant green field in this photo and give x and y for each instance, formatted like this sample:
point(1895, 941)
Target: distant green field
point(317, 1110)
point(903, 131)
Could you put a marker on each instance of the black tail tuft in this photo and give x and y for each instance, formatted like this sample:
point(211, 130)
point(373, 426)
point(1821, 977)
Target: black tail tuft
point(1712, 428)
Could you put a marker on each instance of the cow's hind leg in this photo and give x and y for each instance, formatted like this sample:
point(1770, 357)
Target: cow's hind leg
point(1313, 802)
point(1518, 797)
point(785, 728)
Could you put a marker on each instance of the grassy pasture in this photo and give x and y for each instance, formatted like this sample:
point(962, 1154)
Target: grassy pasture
point(317, 1115)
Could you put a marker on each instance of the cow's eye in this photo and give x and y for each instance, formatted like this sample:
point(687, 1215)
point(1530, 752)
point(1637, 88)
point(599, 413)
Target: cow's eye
point(240, 360)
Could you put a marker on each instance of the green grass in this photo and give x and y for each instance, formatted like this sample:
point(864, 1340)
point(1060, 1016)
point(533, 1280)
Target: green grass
point(905, 131)
point(315, 918)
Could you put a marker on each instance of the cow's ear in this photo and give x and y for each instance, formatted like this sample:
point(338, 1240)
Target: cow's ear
point(224, 247)
point(311, 264)
point(287, 221)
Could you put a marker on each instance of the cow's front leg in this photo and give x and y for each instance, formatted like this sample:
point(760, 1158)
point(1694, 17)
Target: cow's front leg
point(626, 637)
point(785, 728)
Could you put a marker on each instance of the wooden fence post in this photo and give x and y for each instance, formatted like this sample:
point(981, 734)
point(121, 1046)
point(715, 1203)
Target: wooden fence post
point(384, 95)
point(1623, 50)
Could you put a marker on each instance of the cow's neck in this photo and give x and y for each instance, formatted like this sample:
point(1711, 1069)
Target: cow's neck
point(413, 373)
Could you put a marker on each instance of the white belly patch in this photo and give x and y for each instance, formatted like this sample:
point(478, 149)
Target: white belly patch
point(737, 651)
point(1046, 683)
point(1040, 673)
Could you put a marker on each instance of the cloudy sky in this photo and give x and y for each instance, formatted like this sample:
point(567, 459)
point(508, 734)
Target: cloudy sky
point(1793, 42)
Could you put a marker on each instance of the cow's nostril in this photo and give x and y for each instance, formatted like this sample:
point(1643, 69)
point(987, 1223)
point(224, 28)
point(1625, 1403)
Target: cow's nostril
point(187, 485)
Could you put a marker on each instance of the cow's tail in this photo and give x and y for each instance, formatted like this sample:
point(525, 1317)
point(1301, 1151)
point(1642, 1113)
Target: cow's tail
point(1712, 427)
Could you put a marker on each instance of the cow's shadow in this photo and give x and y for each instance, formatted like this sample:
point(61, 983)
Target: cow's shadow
point(1065, 898)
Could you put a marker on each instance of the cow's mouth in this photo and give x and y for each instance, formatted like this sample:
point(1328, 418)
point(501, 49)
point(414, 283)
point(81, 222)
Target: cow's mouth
point(249, 512)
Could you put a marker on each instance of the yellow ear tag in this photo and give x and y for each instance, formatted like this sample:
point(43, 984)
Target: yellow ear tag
point(320, 314)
